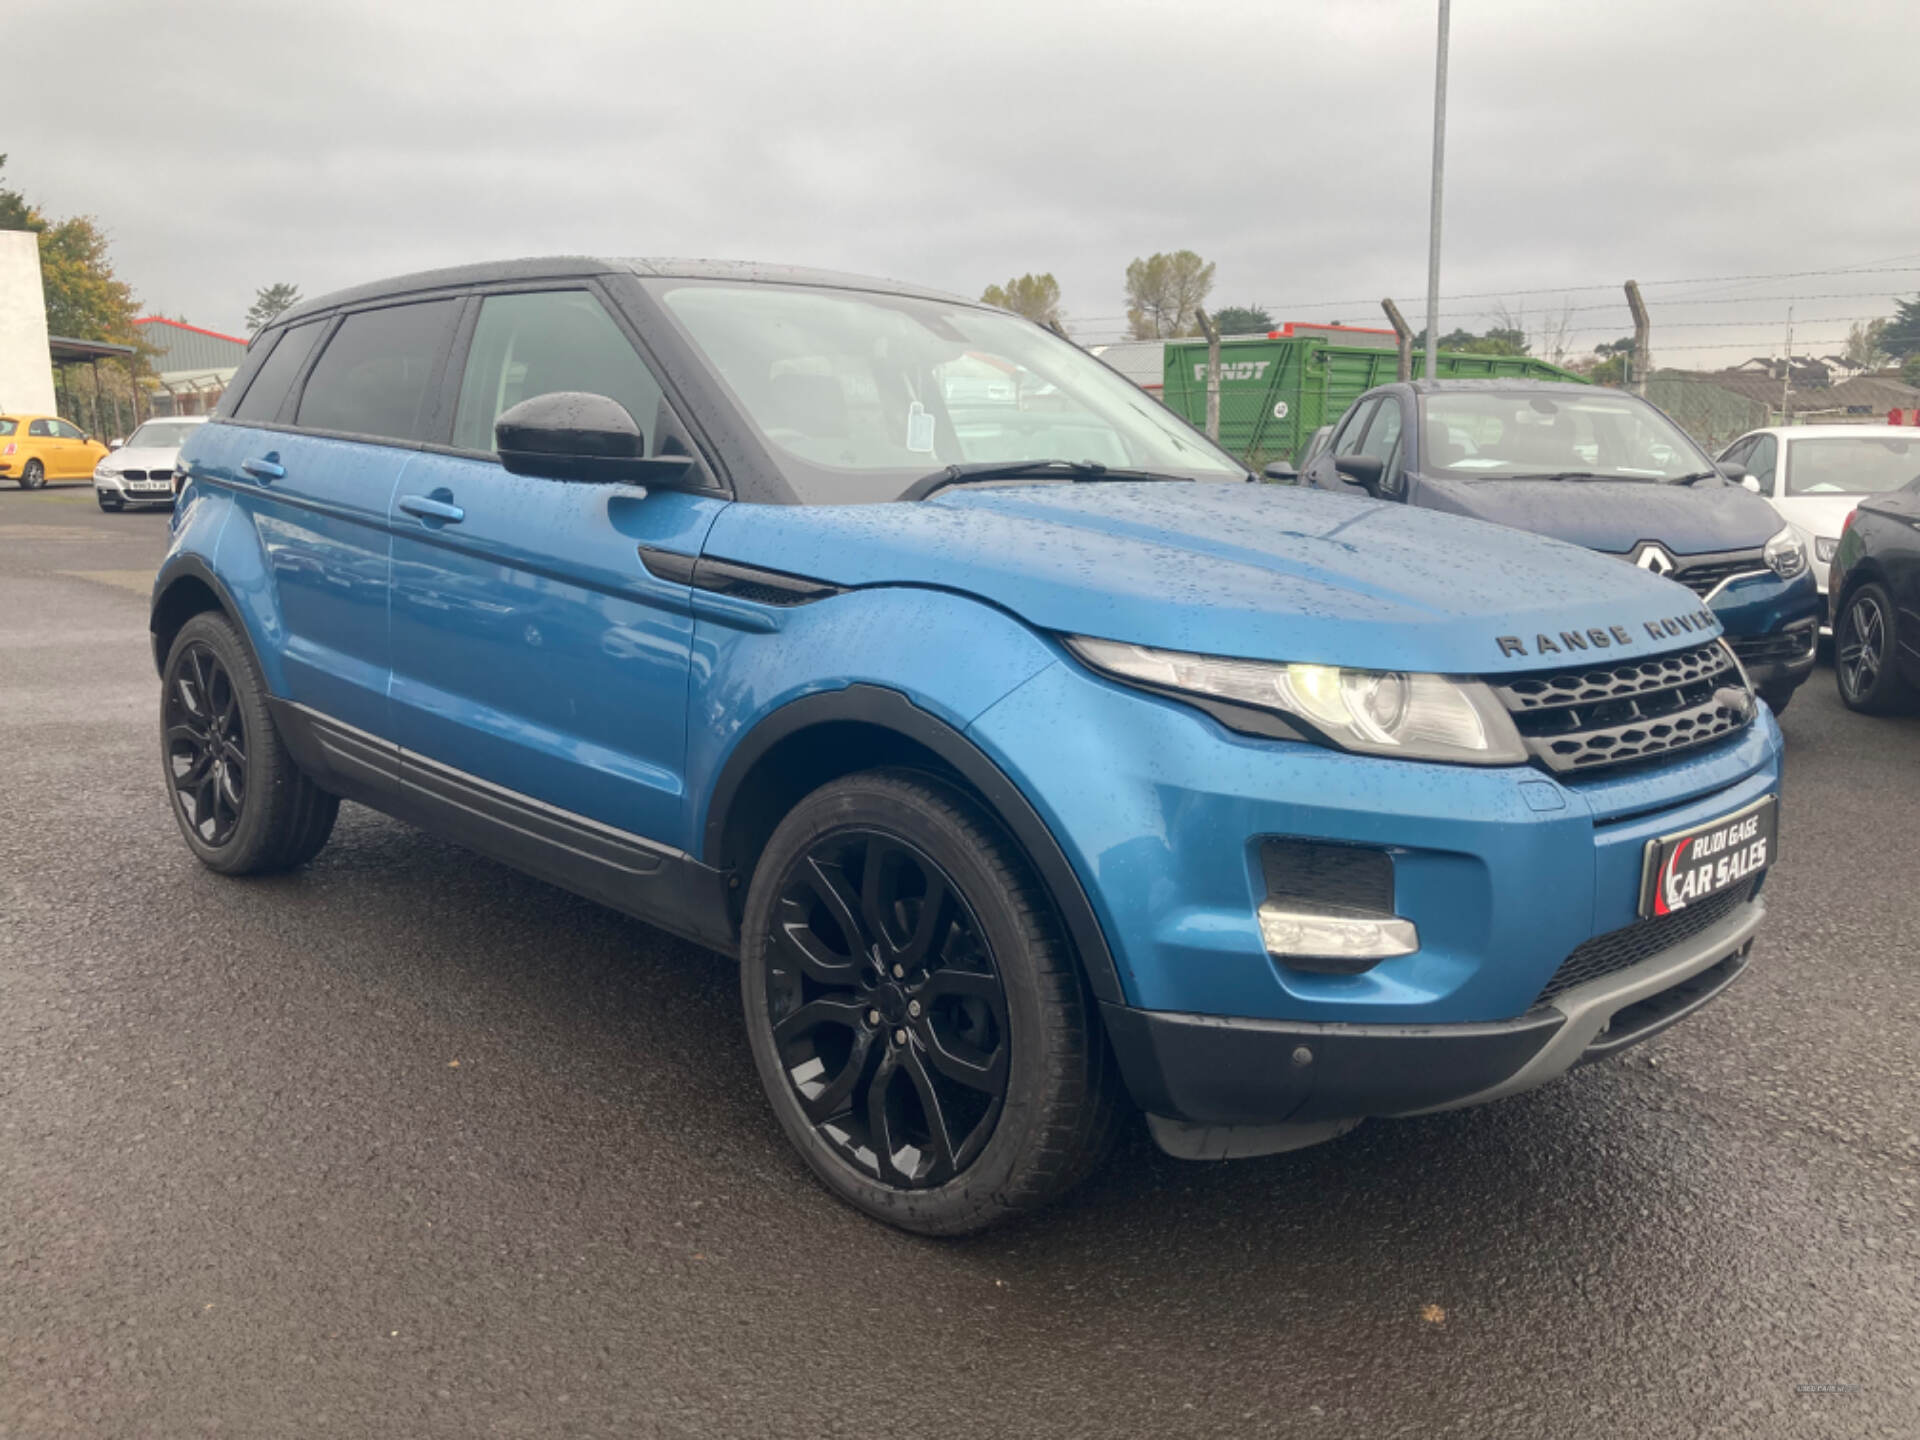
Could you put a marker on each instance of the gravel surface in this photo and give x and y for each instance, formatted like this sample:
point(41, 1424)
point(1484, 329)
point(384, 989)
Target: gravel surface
point(408, 1145)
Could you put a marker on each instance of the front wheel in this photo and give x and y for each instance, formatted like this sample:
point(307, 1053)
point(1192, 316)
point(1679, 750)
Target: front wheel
point(33, 475)
point(242, 804)
point(1864, 664)
point(918, 1022)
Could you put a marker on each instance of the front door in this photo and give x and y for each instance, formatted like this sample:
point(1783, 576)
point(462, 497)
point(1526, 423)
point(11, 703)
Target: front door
point(533, 650)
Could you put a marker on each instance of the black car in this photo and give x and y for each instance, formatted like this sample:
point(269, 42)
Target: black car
point(1875, 590)
point(1600, 468)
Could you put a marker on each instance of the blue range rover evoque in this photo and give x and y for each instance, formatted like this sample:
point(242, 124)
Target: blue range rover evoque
point(1035, 765)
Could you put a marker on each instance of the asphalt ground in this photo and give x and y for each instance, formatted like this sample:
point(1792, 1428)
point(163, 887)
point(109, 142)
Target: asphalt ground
point(405, 1144)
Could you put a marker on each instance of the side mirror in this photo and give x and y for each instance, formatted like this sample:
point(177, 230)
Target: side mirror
point(1363, 470)
point(569, 435)
point(115, 444)
point(1748, 482)
point(1282, 472)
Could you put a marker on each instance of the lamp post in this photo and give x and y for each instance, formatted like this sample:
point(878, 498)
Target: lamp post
point(1439, 170)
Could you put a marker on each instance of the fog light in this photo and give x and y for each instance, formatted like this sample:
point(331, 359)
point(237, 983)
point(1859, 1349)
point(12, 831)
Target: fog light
point(1334, 939)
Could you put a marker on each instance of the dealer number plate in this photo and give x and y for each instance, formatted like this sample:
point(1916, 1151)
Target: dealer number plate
point(1688, 866)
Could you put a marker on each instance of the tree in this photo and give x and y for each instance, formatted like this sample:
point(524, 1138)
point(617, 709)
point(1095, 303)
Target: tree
point(269, 303)
point(1866, 348)
point(1035, 296)
point(1243, 320)
point(1163, 291)
point(1910, 370)
point(1901, 337)
point(15, 213)
point(85, 299)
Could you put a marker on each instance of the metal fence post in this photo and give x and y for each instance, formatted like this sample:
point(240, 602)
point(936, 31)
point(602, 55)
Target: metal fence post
point(1212, 332)
point(1637, 382)
point(1403, 338)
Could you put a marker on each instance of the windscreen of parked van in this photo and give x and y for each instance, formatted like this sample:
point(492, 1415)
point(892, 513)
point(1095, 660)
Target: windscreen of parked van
point(1518, 435)
point(1852, 465)
point(860, 394)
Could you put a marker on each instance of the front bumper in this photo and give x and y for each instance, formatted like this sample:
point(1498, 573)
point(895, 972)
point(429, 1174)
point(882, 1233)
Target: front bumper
point(1782, 659)
point(1774, 626)
point(1212, 1072)
point(116, 487)
point(1506, 873)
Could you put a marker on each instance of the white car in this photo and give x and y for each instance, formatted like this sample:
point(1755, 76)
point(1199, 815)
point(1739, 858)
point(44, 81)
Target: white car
point(1814, 475)
point(140, 472)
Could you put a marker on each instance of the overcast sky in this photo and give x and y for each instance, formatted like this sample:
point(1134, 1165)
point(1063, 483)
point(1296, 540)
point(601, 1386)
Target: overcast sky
point(224, 146)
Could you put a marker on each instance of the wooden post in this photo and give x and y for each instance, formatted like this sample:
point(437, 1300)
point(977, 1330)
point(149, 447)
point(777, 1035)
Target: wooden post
point(1642, 361)
point(1212, 332)
point(1403, 338)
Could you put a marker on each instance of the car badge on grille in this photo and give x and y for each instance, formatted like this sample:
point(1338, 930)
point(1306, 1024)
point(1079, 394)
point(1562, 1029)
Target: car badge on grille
point(1650, 556)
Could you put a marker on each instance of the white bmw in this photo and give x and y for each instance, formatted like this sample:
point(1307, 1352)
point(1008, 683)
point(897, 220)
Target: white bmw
point(140, 472)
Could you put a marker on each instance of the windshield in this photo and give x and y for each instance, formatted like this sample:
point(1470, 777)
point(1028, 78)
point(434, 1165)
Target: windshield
point(160, 435)
point(1852, 465)
point(858, 395)
point(1512, 435)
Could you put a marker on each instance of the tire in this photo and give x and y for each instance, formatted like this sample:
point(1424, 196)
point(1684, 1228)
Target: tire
point(33, 476)
point(215, 729)
point(986, 1019)
point(1778, 697)
point(108, 503)
point(1865, 642)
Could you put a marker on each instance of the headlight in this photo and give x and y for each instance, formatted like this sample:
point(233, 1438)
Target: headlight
point(1371, 712)
point(104, 471)
point(1823, 548)
point(1785, 554)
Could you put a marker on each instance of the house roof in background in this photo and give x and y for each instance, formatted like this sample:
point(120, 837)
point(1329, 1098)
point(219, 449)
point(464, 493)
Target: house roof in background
point(183, 348)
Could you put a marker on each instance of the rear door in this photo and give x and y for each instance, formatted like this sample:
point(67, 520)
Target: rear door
point(534, 651)
point(328, 425)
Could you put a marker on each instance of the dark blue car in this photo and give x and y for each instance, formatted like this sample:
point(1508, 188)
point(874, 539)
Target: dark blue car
point(1602, 469)
point(1034, 766)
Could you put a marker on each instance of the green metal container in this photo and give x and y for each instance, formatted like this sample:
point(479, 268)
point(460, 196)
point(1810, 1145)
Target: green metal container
point(1274, 393)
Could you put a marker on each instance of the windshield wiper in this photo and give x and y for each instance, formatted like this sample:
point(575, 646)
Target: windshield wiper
point(1579, 475)
point(1689, 479)
point(1078, 470)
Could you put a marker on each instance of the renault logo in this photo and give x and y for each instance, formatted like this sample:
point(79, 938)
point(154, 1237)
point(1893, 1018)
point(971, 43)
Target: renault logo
point(1649, 556)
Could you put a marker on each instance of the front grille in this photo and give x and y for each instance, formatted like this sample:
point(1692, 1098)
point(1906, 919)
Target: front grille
point(1703, 577)
point(1792, 643)
point(1617, 949)
point(133, 474)
point(1601, 715)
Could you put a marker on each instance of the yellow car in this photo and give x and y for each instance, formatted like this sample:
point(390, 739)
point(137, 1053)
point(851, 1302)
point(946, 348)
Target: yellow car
point(37, 448)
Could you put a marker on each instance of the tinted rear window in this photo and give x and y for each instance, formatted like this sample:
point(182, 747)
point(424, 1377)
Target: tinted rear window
point(275, 377)
point(7, 427)
point(374, 376)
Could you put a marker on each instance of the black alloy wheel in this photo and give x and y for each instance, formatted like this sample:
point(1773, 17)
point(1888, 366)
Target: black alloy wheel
point(888, 1013)
point(206, 738)
point(920, 1024)
point(33, 475)
point(1864, 664)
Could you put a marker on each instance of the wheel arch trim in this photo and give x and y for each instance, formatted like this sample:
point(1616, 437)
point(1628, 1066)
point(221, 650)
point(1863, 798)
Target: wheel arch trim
point(192, 567)
point(891, 710)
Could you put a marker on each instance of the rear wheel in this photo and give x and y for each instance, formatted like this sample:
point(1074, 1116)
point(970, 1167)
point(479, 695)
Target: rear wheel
point(1864, 650)
point(918, 1022)
point(33, 475)
point(242, 804)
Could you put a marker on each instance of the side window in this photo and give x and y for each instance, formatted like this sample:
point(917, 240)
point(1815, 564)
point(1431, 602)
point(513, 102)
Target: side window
point(375, 376)
point(262, 398)
point(1736, 453)
point(548, 341)
point(1760, 464)
point(63, 431)
point(42, 428)
point(1353, 429)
